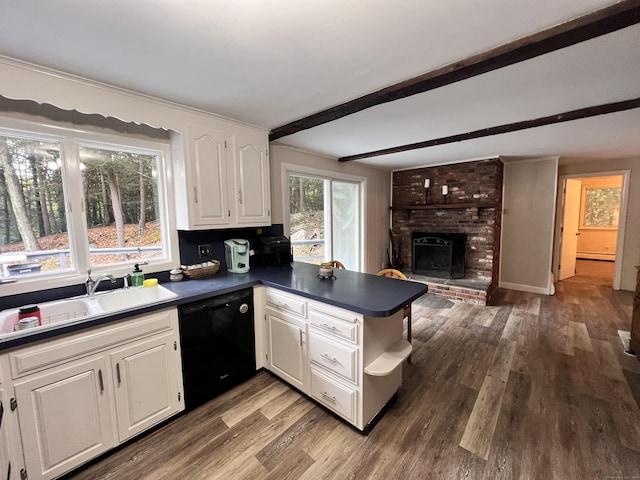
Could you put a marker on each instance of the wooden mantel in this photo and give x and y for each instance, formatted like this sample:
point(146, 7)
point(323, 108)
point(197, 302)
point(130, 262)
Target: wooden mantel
point(441, 206)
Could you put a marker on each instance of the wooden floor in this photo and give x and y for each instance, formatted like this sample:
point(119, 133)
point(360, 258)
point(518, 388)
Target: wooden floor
point(593, 272)
point(536, 388)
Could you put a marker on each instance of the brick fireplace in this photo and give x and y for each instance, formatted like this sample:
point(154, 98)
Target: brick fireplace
point(473, 206)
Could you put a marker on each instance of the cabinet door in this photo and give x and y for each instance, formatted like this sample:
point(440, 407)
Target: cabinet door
point(252, 195)
point(5, 463)
point(65, 416)
point(287, 349)
point(146, 383)
point(208, 202)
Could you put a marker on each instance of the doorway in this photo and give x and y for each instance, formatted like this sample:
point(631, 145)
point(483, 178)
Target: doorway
point(592, 228)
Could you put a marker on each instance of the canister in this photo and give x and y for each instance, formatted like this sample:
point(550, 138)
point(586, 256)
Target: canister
point(30, 311)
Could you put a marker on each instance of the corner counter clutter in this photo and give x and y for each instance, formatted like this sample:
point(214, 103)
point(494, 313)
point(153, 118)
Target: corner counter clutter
point(110, 377)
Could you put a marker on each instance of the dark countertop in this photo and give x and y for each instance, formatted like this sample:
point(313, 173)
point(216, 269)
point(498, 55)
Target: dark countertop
point(359, 292)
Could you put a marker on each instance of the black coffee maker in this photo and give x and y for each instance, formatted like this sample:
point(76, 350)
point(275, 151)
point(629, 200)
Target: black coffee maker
point(272, 251)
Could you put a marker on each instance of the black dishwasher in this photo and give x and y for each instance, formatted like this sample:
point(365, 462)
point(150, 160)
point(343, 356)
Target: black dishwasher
point(217, 337)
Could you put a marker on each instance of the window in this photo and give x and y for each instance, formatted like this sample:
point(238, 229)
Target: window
point(78, 200)
point(600, 207)
point(325, 219)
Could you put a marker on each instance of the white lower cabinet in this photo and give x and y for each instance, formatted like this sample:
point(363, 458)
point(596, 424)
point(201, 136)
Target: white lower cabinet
point(65, 416)
point(5, 459)
point(72, 409)
point(286, 352)
point(337, 396)
point(145, 384)
point(326, 352)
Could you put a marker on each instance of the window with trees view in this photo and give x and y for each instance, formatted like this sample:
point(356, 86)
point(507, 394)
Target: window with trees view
point(114, 189)
point(600, 207)
point(325, 219)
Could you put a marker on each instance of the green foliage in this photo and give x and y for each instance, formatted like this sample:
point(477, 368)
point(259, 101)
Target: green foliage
point(306, 194)
point(602, 207)
point(125, 167)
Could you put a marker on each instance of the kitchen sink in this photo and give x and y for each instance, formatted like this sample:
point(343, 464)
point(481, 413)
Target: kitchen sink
point(87, 307)
point(124, 299)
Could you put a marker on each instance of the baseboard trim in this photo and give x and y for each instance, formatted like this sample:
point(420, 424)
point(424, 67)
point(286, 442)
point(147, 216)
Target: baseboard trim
point(596, 256)
point(525, 288)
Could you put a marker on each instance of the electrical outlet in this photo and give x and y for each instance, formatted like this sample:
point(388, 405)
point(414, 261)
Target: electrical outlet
point(204, 250)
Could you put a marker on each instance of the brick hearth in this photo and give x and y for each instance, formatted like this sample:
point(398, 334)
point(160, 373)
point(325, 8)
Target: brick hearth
point(473, 206)
point(463, 290)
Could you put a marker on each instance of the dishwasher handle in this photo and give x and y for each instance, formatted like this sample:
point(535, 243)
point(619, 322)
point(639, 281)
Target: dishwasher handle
point(211, 306)
point(243, 301)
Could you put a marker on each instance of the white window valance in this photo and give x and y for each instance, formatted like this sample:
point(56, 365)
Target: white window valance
point(24, 81)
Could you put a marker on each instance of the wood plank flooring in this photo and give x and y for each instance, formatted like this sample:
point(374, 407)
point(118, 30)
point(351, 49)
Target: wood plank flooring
point(593, 272)
point(537, 387)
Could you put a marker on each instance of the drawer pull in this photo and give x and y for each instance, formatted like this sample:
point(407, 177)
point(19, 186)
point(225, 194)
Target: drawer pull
point(330, 327)
point(333, 360)
point(331, 398)
point(284, 305)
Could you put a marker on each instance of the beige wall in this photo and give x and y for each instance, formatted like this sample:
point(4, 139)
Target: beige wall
point(598, 241)
point(376, 225)
point(527, 224)
point(630, 249)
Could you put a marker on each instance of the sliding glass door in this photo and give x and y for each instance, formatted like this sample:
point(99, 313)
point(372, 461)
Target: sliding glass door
point(345, 223)
point(325, 219)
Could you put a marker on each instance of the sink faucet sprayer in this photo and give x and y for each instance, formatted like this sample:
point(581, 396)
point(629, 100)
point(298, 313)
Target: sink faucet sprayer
point(91, 285)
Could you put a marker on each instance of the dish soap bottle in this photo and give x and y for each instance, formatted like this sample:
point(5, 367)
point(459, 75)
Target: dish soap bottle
point(137, 277)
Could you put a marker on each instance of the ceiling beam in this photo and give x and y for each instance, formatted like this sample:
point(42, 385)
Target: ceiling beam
point(600, 22)
point(506, 128)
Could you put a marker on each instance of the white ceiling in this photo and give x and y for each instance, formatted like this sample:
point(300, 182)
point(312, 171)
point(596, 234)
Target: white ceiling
point(271, 62)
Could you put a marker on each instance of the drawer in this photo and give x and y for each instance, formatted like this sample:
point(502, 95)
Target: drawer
point(287, 303)
point(339, 398)
point(334, 326)
point(339, 359)
point(53, 352)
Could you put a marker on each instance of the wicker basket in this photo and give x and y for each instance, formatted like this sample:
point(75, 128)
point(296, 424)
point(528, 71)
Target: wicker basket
point(201, 271)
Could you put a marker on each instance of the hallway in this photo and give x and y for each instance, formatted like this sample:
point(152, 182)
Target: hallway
point(593, 272)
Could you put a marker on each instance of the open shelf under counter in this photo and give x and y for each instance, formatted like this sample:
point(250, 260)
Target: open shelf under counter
point(390, 359)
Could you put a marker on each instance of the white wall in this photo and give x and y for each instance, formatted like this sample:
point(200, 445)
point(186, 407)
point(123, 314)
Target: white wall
point(376, 223)
point(528, 224)
point(631, 244)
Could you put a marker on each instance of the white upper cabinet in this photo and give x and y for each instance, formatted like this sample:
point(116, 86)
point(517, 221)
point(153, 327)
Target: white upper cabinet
point(222, 181)
point(252, 179)
point(208, 165)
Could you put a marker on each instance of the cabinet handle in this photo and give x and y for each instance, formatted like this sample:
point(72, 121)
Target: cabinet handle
point(118, 373)
point(240, 197)
point(331, 398)
point(300, 338)
point(100, 380)
point(284, 305)
point(332, 328)
point(195, 194)
point(333, 360)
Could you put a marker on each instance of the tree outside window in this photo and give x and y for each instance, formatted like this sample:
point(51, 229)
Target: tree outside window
point(121, 203)
point(600, 207)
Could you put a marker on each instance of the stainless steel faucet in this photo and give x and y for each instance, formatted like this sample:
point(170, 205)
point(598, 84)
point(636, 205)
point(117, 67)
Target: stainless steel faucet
point(91, 285)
